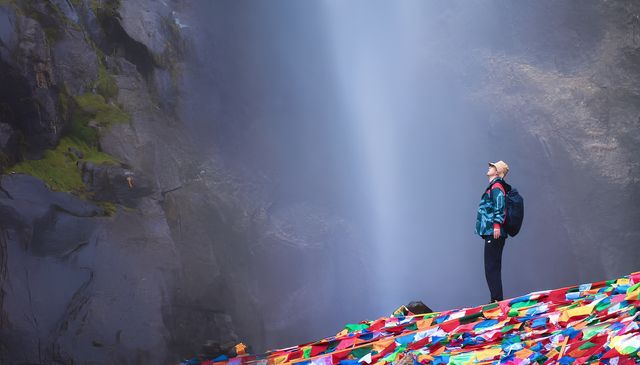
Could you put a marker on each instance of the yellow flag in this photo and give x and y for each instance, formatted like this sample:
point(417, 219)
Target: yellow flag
point(425, 323)
point(578, 311)
point(623, 281)
point(280, 359)
point(488, 354)
point(381, 345)
point(524, 353)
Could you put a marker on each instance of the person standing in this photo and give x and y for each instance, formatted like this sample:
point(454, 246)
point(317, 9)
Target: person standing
point(490, 225)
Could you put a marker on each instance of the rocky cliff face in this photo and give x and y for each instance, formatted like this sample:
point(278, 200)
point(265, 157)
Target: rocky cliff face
point(572, 87)
point(89, 279)
point(148, 256)
point(126, 248)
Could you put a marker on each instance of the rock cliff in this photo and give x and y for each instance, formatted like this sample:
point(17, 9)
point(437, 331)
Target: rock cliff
point(126, 248)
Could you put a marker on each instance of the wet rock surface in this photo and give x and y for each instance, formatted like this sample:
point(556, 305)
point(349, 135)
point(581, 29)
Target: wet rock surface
point(181, 261)
point(27, 84)
point(115, 184)
point(583, 113)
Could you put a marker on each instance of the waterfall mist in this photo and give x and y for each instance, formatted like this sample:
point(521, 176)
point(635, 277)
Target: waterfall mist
point(369, 110)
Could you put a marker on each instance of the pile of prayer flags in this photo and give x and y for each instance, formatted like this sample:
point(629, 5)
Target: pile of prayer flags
point(595, 323)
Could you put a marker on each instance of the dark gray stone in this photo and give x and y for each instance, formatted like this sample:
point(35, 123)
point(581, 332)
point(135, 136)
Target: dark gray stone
point(8, 36)
point(33, 199)
point(76, 62)
point(115, 183)
point(58, 233)
point(9, 146)
point(79, 287)
point(67, 9)
point(143, 20)
point(27, 85)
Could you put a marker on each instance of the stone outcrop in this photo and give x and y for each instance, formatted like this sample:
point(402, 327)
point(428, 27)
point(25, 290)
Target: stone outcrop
point(28, 85)
point(162, 253)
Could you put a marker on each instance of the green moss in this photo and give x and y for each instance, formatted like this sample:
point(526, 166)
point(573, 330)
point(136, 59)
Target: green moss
point(109, 208)
point(59, 170)
point(65, 103)
point(92, 103)
point(106, 84)
point(95, 6)
point(51, 19)
point(111, 116)
point(82, 132)
point(105, 7)
point(90, 154)
point(52, 34)
point(93, 106)
point(99, 53)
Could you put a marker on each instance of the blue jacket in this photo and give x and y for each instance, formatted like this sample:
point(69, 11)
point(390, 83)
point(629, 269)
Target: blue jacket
point(492, 210)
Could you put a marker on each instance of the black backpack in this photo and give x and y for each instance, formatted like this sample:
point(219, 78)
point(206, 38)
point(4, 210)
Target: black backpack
point(515, 209)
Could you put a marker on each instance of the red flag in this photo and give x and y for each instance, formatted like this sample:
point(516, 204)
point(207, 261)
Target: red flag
point(347, 342)
point(294, 355)
point(317, 349)
point(449, 326)
point(340, 355)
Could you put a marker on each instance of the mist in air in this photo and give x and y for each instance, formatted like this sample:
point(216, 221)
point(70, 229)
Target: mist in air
point(369, 112)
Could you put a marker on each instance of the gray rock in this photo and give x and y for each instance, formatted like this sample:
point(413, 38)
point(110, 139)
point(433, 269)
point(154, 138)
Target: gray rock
point(89, 22)
point(76, 62)
point(79, 287)
point(76, 153)
point(29, 196)
point(67, 8)
point(585, 114)
point(8, 36)
point(28, 86)
point(120, 316)
point(9, 146)
point(144, 21)
point(115, 184)
point(166, 89)
point(58, 233)
point(152, 143)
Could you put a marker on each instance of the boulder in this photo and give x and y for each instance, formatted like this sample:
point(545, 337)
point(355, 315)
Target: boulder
point(115, 183)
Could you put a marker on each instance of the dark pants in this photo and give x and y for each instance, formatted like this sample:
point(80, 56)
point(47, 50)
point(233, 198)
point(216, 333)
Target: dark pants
point(493, 265)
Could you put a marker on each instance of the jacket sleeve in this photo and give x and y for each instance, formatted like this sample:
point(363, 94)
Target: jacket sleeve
point(499, 207)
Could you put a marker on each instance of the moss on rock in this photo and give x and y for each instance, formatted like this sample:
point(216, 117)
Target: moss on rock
point(106, 84)
point(108, 208)
point(105, 7)
point(94, 106)
point(59, 170)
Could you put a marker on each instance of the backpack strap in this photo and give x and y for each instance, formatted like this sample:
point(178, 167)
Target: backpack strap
point(497, 184)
